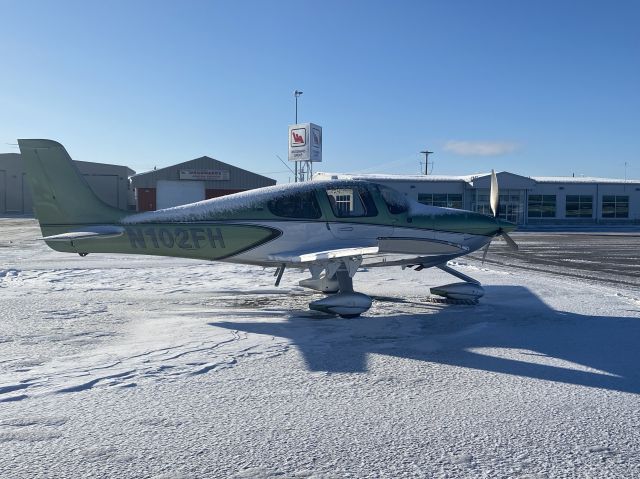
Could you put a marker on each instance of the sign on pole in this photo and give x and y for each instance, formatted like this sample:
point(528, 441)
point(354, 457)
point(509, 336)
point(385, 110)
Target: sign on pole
point(305, 142)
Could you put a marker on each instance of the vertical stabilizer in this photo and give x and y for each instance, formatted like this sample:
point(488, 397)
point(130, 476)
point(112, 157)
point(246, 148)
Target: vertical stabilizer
point(61, 195)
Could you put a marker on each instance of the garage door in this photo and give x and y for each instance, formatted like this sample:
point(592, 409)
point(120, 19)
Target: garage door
point(105, 187)
point(3, 191)
point(175, 193)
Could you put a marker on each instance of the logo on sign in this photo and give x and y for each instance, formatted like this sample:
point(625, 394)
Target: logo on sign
point(316, 136)
point(298, 137)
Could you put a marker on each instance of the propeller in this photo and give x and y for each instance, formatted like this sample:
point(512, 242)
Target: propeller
point(494, 197)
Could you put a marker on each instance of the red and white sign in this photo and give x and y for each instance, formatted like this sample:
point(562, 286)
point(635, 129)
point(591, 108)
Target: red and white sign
point(298, 137)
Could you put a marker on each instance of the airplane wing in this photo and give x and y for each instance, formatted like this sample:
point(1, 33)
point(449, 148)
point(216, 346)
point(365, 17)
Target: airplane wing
point(394, 251)
point(313, 256)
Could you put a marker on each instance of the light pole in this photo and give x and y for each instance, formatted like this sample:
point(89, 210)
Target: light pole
point(297, 93)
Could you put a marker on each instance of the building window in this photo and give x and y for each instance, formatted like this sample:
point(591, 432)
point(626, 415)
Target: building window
point(511, 205)
point(351, 202)
point(542, 206)
point(615, 206)
point(579, 206)
point(446, 200)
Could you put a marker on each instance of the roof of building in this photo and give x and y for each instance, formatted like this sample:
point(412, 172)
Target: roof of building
point(238, 178)
point(200, 160)
point(581, 179)
point(381, 177)
point(471, 178)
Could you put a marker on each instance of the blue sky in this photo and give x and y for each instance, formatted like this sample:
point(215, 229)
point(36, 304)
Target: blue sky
point(533, 87)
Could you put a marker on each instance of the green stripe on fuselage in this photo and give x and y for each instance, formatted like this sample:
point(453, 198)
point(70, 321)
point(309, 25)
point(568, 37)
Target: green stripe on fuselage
point(466, 222)
point(186, 240)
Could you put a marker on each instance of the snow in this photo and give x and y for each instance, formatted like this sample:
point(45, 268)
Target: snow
point(202, 210)
point(153, 367)
point(321, 176)
point(582, 179)
point(466, 178)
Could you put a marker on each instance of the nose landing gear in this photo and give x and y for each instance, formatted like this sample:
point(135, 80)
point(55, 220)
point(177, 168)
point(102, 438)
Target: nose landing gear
point(469, 290)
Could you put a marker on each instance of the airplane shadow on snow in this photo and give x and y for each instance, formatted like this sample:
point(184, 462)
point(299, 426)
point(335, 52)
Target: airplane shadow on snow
point(511, 319)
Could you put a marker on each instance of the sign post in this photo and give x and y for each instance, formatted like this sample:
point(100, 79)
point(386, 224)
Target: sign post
point(305, 148)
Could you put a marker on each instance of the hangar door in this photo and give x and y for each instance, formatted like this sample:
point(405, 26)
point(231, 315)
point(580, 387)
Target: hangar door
point(3, 191)
point(105, 187)
point(27, 202)
point(175, 193)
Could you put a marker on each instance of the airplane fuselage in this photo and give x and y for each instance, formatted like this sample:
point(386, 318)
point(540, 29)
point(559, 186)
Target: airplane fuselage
point(251, 227)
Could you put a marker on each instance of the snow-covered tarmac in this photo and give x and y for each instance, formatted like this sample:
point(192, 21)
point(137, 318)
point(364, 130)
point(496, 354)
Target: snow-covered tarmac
point(134, 366)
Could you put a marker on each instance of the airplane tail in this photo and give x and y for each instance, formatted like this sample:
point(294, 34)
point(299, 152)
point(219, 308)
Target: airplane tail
point(61, 195)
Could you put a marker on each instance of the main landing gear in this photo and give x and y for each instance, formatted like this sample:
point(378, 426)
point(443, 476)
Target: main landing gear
point(336, 279)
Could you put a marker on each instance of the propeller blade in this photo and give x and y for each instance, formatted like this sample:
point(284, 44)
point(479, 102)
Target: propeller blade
point(512, 244)
point(484, 253)
point(494, 194)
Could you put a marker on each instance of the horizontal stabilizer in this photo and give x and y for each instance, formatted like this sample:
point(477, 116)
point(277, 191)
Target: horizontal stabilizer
point(91, 232)
point(310, 257)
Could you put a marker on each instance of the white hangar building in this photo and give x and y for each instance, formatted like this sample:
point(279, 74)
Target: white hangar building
point(194, 180)
point(523, 200)
point(109, 182)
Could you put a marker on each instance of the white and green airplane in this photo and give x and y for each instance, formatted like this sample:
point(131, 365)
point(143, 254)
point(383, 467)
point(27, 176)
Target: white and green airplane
point(331, 228)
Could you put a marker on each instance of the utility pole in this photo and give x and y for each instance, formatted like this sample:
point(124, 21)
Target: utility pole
point(625, 171)
point(426, 154)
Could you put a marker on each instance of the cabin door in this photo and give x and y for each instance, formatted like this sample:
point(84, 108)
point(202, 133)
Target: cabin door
point(356, 215)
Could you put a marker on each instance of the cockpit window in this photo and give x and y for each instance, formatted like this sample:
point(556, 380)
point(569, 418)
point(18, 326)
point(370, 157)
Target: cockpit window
point(351, 201)
point(296, 205)
point(396, 201)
